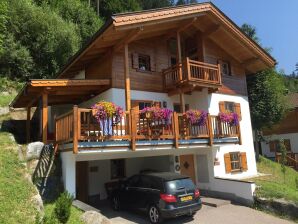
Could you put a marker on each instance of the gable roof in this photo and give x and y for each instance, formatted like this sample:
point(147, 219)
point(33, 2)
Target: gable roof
point(144, 24)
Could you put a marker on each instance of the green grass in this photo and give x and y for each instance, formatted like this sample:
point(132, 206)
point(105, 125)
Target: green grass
point(5, 100)
point(74, 215)
point(10, 87)
point(15, 190)
point(274, 186)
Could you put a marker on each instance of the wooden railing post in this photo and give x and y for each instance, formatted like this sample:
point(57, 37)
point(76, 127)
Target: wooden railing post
point(133, 129)
point(187, 64)
point(219, 73)
point(176, 129)
point(75, 129)
point(220, 132)
point(239, 134)
point(210, 130)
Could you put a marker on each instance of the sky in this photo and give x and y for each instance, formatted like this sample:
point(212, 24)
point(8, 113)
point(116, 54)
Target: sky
point(276, 22)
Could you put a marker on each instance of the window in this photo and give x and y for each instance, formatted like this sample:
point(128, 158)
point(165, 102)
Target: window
point(143, 105)
point(235, 161)
point(144, 62)
point(117, 168)
point(229, 106)
point(226, 106)
point(275, 147)
point(225, 68)
point(178, 109)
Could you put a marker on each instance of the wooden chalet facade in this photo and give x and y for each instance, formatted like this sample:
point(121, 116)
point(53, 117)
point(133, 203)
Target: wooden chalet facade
point(185, 57)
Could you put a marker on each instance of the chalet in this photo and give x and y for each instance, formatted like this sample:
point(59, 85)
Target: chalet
point(286, 130)
point(183, 58)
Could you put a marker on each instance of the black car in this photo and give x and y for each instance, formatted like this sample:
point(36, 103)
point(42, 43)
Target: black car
point(161, 195)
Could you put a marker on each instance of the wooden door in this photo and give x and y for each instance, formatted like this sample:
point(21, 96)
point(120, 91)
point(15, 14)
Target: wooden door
point(82, 181)
point(187, 166)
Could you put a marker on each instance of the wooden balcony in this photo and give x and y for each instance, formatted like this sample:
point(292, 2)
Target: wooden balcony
point(81, 130)
point(192, 74)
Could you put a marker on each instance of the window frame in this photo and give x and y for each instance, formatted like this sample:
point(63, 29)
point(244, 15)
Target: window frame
point(228, 66)
point(229, 104)
point(147, 59)
point(238, 161)
point(121, 169)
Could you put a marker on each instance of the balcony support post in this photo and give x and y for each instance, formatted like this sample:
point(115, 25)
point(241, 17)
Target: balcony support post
point(126, 78)
point(75, 129)
point(176, 129)
point(133, 128)
point(182, 102)
point(210, 130)
point(45, 117)
point(28, 134)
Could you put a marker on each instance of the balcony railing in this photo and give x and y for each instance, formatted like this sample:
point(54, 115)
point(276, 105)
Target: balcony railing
point(190, 71)
point(80, 125)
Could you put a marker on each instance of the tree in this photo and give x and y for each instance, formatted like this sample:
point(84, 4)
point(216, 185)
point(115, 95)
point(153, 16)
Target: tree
point(153, 4)
point(3, 21)
point(110, 7)
point(251, 31)
point(185, 2)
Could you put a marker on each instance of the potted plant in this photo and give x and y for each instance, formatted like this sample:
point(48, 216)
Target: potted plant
point(106, 111)
point(196, 117)
point(229, 117)
point(157, 113)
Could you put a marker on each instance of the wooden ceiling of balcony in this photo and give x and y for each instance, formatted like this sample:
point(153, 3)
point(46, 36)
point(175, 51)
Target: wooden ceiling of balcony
point(59, 91)
point(213, 23)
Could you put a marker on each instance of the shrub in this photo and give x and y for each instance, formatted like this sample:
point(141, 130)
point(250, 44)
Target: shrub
point(62, 207)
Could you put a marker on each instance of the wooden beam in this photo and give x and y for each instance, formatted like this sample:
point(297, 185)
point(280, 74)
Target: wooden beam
point(184, 26)
point(178, 47)
point(127, 78)
point(249, 62)
point(44, 117)
point(182, 102)
point(68, 82)
point(211, 30)
point(28, 134)
point(75, 129)
point(130, 37)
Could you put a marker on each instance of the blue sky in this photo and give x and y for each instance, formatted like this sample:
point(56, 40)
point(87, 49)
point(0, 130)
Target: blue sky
point(276, 23)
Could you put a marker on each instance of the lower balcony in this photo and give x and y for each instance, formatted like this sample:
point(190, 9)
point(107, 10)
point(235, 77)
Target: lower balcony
point(190, 75)
point(79, 130)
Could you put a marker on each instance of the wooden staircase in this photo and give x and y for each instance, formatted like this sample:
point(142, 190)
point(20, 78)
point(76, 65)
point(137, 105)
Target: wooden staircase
point(292, 159)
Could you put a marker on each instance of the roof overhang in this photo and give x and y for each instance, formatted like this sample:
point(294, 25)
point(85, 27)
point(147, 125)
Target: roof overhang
point(59, 91)
point(122, 28)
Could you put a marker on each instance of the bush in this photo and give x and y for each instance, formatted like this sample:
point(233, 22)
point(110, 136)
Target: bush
point(62, 207)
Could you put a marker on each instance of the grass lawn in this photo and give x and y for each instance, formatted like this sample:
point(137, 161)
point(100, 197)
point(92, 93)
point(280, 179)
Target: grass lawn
point(15, 190)
point(74, 215)
point(273, 186)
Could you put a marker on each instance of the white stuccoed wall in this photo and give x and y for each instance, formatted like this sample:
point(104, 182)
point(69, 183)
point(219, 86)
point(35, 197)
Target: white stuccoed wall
point(69, 172)
point(293, 140)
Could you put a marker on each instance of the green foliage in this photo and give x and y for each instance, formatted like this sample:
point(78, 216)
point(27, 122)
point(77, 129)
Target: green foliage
point(296, 180)
point(273, 185)
point(15, 190)
point(266, 93)
point(110, 7)
point(79, 13)
point(3, 20)
point(184, 2)
point(153, 4)
point(250, 31)
point(283, 158)
point(63, 207)
point(291, 83)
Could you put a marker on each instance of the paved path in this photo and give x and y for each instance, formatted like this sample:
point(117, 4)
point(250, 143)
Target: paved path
point(226, 214)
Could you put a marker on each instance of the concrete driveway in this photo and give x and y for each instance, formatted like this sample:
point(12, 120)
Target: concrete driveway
point(229, 214)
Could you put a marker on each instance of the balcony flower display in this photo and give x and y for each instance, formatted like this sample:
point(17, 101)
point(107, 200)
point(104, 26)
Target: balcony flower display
point(104, 110)
point(198, 117)
point(230, 117)
point(157, 113)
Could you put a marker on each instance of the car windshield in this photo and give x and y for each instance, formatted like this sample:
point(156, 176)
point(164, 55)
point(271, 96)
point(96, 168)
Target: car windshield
point(180, 184)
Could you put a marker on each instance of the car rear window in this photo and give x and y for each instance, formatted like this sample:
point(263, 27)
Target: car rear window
point(178, 185)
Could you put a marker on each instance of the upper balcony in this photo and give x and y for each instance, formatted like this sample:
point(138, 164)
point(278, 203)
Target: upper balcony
point(190, 75)
point(79, 130)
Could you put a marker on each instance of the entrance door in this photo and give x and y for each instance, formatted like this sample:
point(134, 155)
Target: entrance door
point(82, 181)
point(187, 166)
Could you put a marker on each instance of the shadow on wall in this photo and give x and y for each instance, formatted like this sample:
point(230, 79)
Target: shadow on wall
point(47, 174)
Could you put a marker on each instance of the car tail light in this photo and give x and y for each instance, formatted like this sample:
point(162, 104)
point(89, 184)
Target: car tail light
point(168, 198)
point(197, 193)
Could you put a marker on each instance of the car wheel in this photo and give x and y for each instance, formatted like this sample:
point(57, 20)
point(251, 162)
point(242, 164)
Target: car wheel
point(154, 214)
point(116, 203)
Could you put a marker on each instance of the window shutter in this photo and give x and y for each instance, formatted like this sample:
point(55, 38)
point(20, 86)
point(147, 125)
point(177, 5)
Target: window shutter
point(243, 161)
point(228, 162)
point(287, 144)
point(152, 63)
point(237, 109)
point(135, 60)
point(272, 146)
point(222, 107)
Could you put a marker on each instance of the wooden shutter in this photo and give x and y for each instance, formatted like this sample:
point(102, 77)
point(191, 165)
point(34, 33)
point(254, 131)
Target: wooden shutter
point(228, 162)
point(287, 144)
point(222, 108)
point(272, 146)
point(243, 161)
point(237, 109)
point(135, 60)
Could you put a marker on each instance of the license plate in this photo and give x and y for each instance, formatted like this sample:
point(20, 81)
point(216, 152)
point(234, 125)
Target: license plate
point(186, 198)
